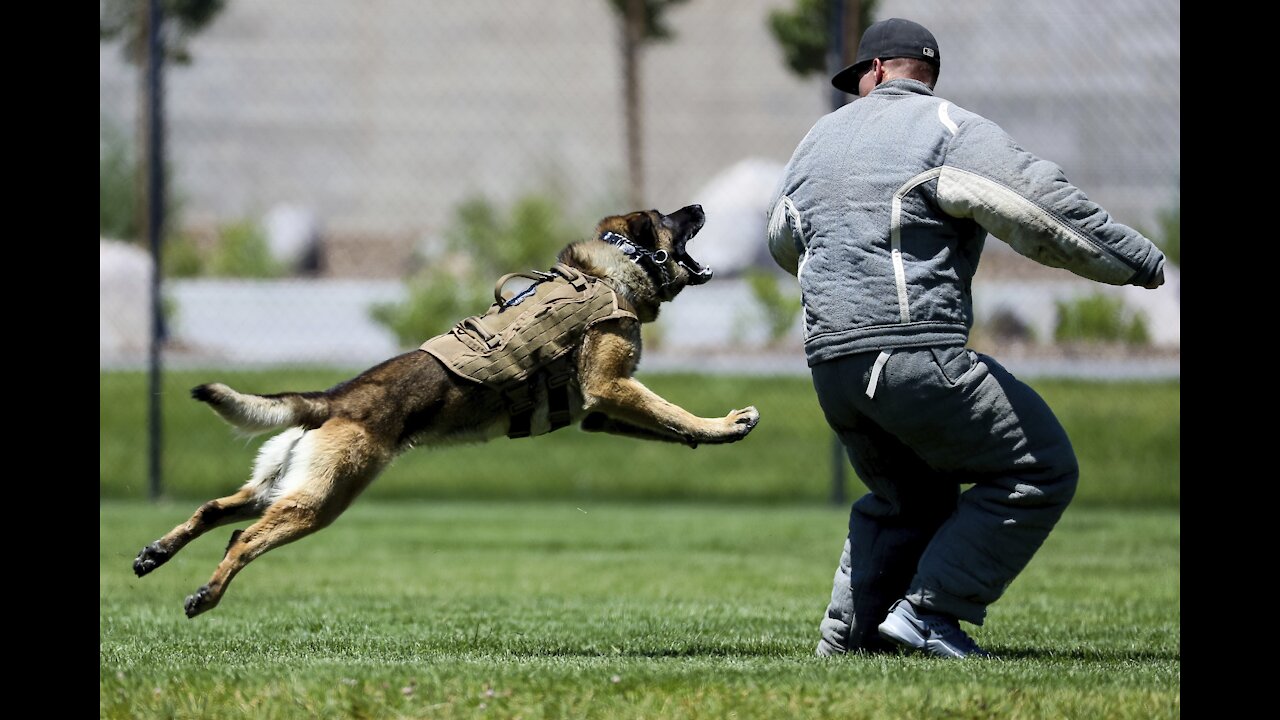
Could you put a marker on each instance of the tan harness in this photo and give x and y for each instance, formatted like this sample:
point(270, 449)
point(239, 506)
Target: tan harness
point(529, 338)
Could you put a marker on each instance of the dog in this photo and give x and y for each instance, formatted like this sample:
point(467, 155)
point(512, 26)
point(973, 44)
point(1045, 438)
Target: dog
point(337, 441)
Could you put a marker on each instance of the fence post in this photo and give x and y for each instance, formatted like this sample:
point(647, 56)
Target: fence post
point(155, 228)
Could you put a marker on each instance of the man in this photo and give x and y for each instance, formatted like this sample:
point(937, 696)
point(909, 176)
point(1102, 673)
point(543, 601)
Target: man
point(881, 214)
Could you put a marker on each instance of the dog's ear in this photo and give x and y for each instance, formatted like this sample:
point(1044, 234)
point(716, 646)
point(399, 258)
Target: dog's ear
point(640, 228)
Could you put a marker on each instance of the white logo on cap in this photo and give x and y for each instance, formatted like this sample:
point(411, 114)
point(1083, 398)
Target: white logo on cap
point(928, 52)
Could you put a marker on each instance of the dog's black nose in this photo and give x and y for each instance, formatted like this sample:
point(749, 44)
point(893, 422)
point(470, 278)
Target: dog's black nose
point(693, 211)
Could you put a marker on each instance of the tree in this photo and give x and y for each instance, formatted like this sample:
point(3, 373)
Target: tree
point(805, 37)
point(642, 22)
point(127, 19)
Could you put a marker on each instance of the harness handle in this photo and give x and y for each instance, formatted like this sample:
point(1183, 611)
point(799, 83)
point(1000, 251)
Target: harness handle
point(574, 278)
point(534, 275)
point(487, 337)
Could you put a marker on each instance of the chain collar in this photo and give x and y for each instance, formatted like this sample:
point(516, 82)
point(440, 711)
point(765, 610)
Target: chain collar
point(653, 263)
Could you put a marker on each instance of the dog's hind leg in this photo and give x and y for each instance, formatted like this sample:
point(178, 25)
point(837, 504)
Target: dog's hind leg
point(329, 468)
point(240, 506)
point(245, 504)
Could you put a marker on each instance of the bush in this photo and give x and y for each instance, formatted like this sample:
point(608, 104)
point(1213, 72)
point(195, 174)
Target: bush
point(437, 301)
point(239, 249)
point(780, 308)
point(527, 237)
point(481, 244)
point(117, 172)
point(242, 251)
point(1171, 234)
point(182, 258)
point(1099, 318)
point(118, 188)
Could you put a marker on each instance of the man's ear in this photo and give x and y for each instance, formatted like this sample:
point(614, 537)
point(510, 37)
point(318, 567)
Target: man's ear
point(640, 228)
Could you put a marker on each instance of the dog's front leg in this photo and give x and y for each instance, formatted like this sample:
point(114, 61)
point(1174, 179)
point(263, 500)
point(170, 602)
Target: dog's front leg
point(634, 407)
point(609, 358)
point(599, 422)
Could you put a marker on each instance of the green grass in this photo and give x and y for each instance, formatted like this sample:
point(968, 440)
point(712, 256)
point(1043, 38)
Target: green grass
point(1126, 435)
point(601, 610)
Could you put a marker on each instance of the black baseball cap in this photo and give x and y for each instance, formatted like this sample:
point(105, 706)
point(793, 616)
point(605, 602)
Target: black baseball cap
point(892, 38)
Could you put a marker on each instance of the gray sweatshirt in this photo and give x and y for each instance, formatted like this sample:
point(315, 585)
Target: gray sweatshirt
point(883, 210)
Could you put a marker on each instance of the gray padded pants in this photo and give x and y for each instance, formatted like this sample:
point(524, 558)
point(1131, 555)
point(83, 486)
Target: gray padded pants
point(940, 418)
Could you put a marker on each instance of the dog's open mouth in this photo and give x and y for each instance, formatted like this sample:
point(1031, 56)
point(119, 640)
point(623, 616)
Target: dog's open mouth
point(690, 220)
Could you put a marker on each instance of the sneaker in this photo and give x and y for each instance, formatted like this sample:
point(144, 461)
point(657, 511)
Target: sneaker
point(909, 627)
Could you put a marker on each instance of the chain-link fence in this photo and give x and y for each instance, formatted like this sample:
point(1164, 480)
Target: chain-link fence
point(322, 154)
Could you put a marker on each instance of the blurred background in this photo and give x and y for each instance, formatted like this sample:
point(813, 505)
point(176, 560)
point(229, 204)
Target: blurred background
point(343, 180)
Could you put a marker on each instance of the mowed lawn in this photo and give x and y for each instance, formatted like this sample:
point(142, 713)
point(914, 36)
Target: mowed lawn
point(577, 609)
point(1126, 435)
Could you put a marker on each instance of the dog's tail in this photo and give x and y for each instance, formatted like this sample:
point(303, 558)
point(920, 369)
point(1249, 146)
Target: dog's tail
point(260, 413)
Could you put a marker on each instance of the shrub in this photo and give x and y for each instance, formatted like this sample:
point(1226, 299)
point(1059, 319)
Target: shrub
point(1171, 233)
point(117, 172)
point(527, 237)
point(437, 300)
point(1099, 318)
point(482, 243)
point(239, 249)
point(182, 258)
point(118, 188)
point(242, 251)
point(780, 308)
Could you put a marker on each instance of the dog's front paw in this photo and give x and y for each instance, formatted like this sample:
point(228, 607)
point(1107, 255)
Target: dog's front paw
point(745, 419)
point(737, 424)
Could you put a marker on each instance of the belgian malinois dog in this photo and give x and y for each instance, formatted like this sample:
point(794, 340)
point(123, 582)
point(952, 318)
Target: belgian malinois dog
point(336, 441)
